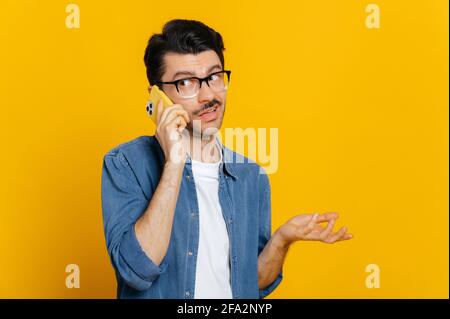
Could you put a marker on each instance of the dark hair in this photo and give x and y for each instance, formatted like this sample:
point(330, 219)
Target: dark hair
point(180, 36)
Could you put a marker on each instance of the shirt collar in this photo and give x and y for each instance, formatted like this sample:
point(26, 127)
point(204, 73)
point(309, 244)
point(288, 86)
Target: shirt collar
point(227, 158)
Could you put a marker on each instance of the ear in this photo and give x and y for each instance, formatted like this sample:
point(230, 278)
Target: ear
point(149, 88)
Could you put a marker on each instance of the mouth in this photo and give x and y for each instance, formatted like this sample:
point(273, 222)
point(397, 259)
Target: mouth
point(209, 109)
point(210, 113)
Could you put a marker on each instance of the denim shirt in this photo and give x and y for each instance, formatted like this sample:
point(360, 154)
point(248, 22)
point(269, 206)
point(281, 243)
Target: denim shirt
point(131, 172)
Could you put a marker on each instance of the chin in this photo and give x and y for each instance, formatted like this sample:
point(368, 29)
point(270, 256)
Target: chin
point(209, 128)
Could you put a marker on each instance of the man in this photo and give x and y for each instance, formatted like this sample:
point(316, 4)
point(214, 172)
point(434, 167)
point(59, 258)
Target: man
point(184, 223)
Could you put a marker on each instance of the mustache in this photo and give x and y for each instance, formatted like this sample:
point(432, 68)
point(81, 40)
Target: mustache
point(207, 105)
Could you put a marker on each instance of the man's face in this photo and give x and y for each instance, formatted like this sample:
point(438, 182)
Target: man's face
point(181, 66)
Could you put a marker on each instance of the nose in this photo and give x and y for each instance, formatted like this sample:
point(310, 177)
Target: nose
point(205, 94)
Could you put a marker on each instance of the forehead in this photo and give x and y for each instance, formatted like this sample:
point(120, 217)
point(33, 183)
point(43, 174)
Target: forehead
point(197, 64)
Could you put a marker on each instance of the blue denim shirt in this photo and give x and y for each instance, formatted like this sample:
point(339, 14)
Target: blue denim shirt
point(131, 172)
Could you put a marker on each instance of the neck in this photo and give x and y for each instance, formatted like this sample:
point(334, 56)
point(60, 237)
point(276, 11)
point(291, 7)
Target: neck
point(203, 149)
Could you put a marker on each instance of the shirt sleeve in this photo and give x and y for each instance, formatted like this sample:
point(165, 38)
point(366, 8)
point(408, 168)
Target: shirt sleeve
point(123, 202)
point(265, 227)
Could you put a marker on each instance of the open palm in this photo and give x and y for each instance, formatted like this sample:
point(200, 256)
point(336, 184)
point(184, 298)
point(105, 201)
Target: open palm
point(307, 227)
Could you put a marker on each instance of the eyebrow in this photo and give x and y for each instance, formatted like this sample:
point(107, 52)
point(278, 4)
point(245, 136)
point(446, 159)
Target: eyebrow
point(189, 73)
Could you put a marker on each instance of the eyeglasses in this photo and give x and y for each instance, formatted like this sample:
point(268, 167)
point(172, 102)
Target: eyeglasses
point(189, 87)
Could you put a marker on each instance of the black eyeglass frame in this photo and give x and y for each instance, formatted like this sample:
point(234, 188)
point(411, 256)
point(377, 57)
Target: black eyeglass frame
point(200, 80)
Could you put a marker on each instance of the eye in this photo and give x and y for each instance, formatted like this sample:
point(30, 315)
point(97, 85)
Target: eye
point(213, 77)
point(185, 82)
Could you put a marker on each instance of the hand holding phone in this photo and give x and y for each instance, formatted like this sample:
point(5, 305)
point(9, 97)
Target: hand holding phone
point(170, 119)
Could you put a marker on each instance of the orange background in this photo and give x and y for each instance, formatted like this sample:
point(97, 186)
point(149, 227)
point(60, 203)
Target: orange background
point(362, 116)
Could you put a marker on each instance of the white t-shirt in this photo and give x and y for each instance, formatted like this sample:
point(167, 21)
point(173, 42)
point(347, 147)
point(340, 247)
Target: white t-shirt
point(212, 277)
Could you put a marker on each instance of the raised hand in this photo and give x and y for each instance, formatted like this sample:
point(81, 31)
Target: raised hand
point(171, 122)
point(307, 227)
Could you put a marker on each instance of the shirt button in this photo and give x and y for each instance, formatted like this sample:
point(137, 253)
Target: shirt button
point(190, 253)
point(193, 214)
point(187, 293)
point(188, 177)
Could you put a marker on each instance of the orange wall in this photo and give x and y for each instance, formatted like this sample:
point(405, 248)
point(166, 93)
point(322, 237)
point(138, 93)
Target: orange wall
point(362, 119)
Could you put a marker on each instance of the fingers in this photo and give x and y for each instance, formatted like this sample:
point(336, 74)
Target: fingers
point(164, 117)
point(175, 114)
point(180, 124)
point(172, 113)
point(337, 236)
point(326, 233)
point(312, 223)
point(164, 112)
point(327, 217)
point(312, 230)
point(347, 237)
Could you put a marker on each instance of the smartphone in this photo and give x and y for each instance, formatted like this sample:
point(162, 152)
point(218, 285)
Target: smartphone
point(155, 95)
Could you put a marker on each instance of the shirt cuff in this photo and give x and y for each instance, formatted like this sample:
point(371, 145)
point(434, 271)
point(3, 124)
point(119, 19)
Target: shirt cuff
point(266, 291)
point(137, 260)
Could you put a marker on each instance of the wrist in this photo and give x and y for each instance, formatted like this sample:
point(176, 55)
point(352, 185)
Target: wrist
point(280, 241)
point(174, 166)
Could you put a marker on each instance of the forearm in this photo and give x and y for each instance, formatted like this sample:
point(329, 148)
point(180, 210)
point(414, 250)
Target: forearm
point(154, 227)
point(271, 259)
